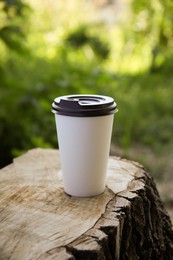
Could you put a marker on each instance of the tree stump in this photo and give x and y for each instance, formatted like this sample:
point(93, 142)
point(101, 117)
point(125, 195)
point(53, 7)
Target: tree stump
point(39, 221)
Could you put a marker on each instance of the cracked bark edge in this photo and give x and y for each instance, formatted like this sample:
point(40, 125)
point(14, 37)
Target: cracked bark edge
point(134, 225)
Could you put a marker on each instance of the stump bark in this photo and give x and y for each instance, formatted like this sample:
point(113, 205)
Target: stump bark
point(39, 221)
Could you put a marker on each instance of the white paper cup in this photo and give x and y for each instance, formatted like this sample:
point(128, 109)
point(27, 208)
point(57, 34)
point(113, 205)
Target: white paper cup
point(84, 127)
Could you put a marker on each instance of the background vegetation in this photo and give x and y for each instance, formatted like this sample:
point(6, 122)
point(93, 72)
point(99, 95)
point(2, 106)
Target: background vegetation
point(122, 49)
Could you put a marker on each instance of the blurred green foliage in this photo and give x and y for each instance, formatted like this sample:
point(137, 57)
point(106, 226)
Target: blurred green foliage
point(80, 37)
point(32, 74)
point(12, 30)
point(152, 25)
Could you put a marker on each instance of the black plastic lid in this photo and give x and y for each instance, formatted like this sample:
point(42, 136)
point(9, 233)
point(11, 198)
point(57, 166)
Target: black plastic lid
point(84, 105)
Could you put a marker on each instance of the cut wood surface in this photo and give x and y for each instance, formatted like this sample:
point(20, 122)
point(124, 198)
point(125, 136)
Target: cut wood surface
point(39, 221)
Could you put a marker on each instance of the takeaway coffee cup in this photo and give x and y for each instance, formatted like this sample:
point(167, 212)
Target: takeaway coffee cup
point(84, 127)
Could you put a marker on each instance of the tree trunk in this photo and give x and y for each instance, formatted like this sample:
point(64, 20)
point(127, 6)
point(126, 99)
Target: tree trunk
point(39, 221)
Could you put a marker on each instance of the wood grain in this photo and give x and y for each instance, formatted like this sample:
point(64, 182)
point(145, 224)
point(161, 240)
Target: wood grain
point(39, 221)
